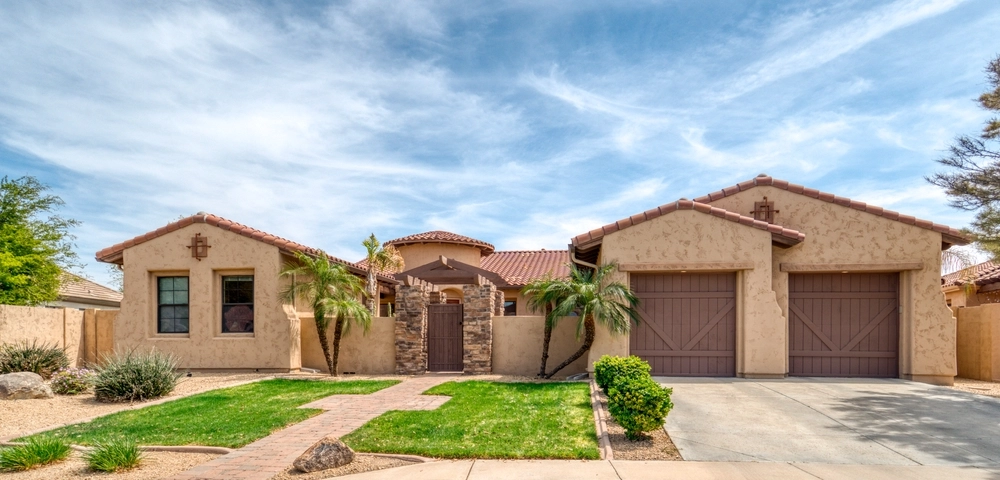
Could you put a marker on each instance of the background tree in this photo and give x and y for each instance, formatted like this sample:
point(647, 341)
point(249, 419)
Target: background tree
point(595, 299)
point(380, 258)
point(35, 243)
point(974, 182)
point(332, 291)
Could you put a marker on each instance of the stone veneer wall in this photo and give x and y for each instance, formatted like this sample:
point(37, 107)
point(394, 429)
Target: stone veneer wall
point(411, 328)
point(498, 304)
point(477, 327)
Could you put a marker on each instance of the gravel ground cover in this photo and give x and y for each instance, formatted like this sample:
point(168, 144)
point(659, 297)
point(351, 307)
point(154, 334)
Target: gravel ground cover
point(155, 465)
point(23, 416)
point(991, 389)
point(655, 445)
point(361, 463)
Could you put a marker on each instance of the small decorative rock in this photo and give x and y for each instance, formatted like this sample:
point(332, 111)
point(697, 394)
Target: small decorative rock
point(23, 385)
point(329, 452)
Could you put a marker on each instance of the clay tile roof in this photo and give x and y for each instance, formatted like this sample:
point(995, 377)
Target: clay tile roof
point(519, 268)
point(950, 235)
point(982, 274)
point(438, 236)
point(73, 287)
point(788, 236)
point(113, 254)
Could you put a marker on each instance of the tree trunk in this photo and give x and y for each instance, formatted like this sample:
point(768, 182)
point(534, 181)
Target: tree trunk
point(321, 330)
point(338, 332)
point(372, 292)
point(545, 345)
point(590, 330)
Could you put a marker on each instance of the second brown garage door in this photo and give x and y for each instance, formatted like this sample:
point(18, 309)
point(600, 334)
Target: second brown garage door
point(688, 324)
point(843, 324)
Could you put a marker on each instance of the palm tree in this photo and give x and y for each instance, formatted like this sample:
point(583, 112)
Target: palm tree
point(595, 298)
point(542, 294)
point(332, 292)
point(380, 258)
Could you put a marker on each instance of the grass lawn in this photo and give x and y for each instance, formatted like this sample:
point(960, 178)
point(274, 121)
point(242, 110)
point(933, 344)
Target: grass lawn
point(490, 420)
point(228, 417)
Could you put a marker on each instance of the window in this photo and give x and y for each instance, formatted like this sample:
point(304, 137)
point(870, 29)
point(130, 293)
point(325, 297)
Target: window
point(237, 304)
point(172, 305)
point(509, 308)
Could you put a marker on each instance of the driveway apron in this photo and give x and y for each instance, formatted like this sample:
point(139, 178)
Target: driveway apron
point(832, 421)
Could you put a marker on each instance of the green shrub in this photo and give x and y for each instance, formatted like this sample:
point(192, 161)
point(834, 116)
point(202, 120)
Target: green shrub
point(72, 381)
point(610, 370)
point(135, 376)
point(639, 406)
point(42, 359)
point(37, 452)
point(114, 455)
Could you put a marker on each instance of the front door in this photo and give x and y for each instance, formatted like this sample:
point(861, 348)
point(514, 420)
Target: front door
point(444, 338)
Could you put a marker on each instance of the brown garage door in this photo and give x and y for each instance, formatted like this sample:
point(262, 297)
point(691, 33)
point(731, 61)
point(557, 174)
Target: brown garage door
point(844, 324)
point(688, 323)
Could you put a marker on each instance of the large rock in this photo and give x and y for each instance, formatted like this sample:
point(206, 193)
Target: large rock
point(22, 385)
point(329, 452)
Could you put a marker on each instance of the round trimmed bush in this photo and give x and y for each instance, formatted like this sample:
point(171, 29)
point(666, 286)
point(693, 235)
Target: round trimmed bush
point(135, 376)
point(610, 370)
point(43, 359)
point(639, 406)
point(72, 381)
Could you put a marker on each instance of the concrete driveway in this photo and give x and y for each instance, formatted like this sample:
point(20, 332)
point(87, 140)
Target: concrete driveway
point(838, 421)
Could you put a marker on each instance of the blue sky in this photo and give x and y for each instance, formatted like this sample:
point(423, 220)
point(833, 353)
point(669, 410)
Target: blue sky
point(519, 123)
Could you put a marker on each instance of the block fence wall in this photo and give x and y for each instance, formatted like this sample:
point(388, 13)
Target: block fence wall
point(85, 335)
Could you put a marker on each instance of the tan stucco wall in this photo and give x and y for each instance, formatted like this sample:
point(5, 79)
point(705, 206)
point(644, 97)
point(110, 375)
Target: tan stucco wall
point(838, 234)
point(978, 342)
point(273, 343)
point(374, 353)
point(687, 236)
point(59, 327)
point(419, 254)
point(517, 346)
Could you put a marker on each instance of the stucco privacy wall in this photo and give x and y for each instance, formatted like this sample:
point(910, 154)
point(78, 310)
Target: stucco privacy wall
point(274, 343)
point(838, 235)
point(517, 345)
point(419, 254)
point(60, 327)
point(689, 237)
point(978, 342)
point(374, 353)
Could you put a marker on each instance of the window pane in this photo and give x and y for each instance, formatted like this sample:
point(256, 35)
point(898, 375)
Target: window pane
point(181, 312)
point(181, 297)
point(166, 313)
point(237, 318)
point(180, 283)
point(166, 283)
point(181, 325)
point(166, 297)
point(509, 308)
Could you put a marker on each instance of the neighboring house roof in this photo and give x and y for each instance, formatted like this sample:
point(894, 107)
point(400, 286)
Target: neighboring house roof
point(73, 288)
point(783, 236)
point(949, 235)
point(114, 253)
point(439, 236)
point(520, 267)
point(982, 274)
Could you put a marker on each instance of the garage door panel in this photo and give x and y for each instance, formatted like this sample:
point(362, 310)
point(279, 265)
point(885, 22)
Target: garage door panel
point(844, 324)
point(688, 323)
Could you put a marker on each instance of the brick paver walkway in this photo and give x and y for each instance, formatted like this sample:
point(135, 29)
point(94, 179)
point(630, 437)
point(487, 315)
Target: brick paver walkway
point(271, 455)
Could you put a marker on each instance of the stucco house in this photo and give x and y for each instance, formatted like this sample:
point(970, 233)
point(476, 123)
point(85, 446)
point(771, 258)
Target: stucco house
point(760, 280)
point(978, 285)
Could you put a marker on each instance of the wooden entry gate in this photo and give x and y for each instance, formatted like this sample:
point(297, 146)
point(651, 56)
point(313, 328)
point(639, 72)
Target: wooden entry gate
point(688, 325)
point(843, 324)
point(444, 338)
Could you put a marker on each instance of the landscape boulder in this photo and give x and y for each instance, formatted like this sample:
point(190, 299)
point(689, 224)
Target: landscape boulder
point(23, 385)
point(329, 452)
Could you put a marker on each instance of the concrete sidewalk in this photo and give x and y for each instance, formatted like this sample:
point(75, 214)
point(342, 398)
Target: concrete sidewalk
point(638, 470)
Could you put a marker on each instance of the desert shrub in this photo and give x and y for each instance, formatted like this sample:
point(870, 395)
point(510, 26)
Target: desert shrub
point(43, 359)
point(135, 376)
point(610, 370)
point(114, 455)
point(37, 452)
point(639, 405)
point(72, 381)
